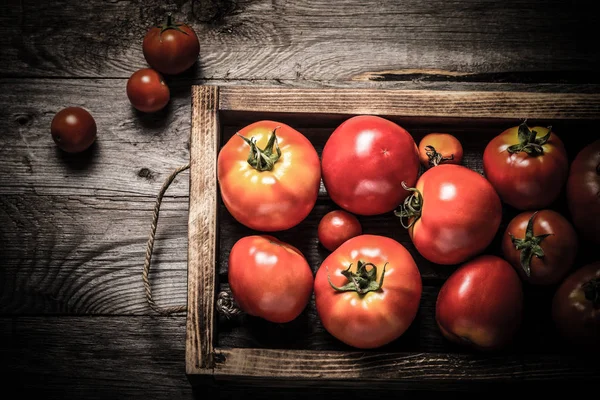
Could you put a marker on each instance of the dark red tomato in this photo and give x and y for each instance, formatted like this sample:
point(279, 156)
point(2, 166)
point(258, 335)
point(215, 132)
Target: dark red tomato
point(452, 215)
point(481, 304)
point(336, 227)
point(147, 90)
point(73, 129)
point(583, 192)
point(269, 278)
point(364, 163)
point(440, 148)
point(576, 307)
point(171, 48)
point(541, 246)
point(527, 167)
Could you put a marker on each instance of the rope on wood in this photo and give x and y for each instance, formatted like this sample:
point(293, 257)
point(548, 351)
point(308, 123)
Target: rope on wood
point(150, 247)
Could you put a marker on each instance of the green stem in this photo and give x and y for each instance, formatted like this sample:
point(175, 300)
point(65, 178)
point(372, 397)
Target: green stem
point(170, 25)
point(263, 159)
point(529, 246)
point(362, 281)
point(592, 291)
point(436, 158)
point(529, 142)
point(411, 208)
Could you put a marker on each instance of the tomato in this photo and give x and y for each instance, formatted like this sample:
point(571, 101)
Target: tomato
point(583, 192)
point(73, 129)
point(269, 176)
point(367, 292)
point(481, 304)
point(527, 167)
point(440, 148)
point(269, 278)
point(336, 227)
point(147, 90)
point(364, 162)
point(576, 307)
point(171, 48)
point(452, 214)
point(541, 246)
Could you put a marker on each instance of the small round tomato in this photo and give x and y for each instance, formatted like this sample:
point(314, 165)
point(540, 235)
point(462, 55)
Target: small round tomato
point(527, 167)
point(367, 292)
point(269, 278)
point(336, 227)
point(269, 176)
point(147, 90)
point(541, 246)
point(452, 214)
point(583, 192)
point(364, 162)
point(576, 307)
point(481, 304)
point(171, 48)
point(73, 129)
point(440, 148)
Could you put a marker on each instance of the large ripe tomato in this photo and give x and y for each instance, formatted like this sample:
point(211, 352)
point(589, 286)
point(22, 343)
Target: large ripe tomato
point(269, 278)
point(73, 129)
point(269, 176)
point(527, 167)
point(364, 162)
point(367, 292)
point(171, 48)
point(541, 246)
point(336, 227)
point(452, 215)
point(147, 90)
point(481, 304)
point(583, 192)
point(440, 148)
point(576, 307)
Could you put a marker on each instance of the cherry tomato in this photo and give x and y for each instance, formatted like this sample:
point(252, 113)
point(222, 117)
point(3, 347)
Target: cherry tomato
point(269, 278)
point(269, 176)
point(541, 246)
point(583, 192)
point(452, 214)
point(171, 48)
point(527, 167)
point(364, 162)
point(367, 292)
point(576, 307)
point(73, 129)
point(147, 90)
point(481, 304)
point(336, 227)
point(440, 148)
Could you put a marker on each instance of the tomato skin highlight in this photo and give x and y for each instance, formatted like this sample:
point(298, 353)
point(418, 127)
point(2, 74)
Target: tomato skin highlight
point(73, 129)
point(377, 317)
point(364, 162)
point(440, 148)
point(273, 200)
point(269, 278)
point(336, 227)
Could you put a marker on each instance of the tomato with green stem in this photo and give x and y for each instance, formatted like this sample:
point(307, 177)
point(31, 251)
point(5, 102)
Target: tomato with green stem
point(440, 148)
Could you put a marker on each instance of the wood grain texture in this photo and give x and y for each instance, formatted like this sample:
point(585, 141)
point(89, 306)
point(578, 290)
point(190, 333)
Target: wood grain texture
point(202, 236)
point(465, 40)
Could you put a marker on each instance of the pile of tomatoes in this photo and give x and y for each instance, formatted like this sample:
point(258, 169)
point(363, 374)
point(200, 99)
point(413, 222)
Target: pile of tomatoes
point(368, 289)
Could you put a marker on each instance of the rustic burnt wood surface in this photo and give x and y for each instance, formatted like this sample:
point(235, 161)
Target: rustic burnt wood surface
point(73, 229)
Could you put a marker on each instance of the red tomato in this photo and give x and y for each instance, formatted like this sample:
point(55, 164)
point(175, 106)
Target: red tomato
point(440, 148)
point(364, 162)
point(576, 307)
point(367, 292)
point(269, 278)
point(583, 192)
point(147, 91)
point(452, 215)
point(481, 304)
point(73, 129)
point(171, 48)
point(269, 176)
point(527, 167)
point(336, 227)
point(541, 246)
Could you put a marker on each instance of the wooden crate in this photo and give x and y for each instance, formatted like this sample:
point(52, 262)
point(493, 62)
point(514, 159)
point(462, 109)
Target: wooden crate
point(250, 350)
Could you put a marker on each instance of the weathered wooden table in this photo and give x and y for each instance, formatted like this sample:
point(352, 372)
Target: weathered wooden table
point(73, 229)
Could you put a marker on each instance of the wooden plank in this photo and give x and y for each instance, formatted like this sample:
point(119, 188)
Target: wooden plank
point(517, 40)
point(202, 237)
point(451, 104)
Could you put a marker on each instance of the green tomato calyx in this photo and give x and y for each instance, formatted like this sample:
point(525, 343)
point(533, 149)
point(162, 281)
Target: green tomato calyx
point(263, 159)
point(529, 246)
point(362, 281)
point(411, 208)
point(169, 24)
point(529, 142)
point(436, 158)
